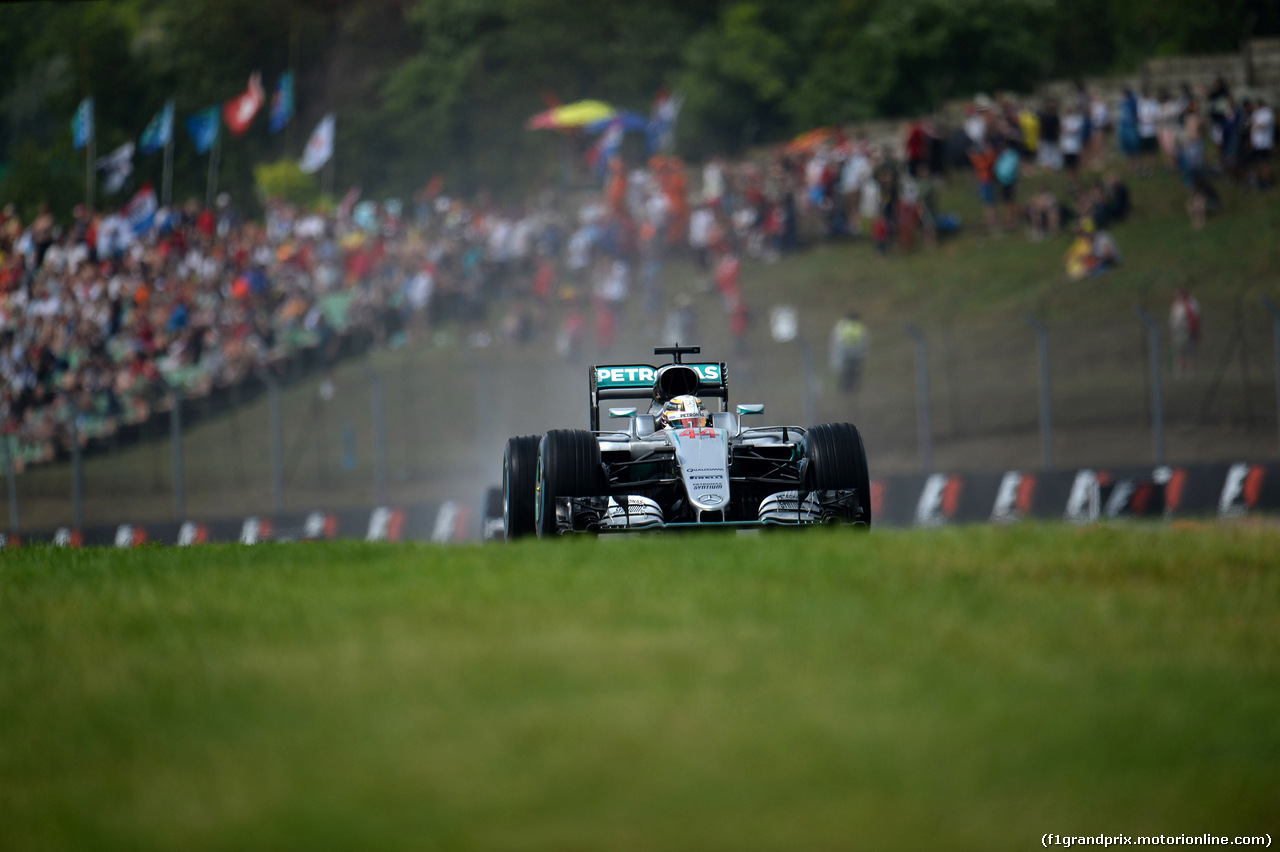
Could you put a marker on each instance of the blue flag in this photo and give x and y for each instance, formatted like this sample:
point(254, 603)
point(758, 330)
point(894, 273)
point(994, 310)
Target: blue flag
point(82, 124)
point(203, 127)
point(159, 131)
point(282, 103)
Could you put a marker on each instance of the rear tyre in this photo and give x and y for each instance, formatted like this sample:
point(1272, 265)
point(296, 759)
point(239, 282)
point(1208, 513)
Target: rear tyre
point(568, 466)
point(520, 486)
point(838, 461)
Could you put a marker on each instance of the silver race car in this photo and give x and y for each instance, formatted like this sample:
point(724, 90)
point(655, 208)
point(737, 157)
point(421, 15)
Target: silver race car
point(678, 465)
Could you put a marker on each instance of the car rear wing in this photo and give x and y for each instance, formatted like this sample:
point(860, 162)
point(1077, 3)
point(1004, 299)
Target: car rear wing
point(636, 381)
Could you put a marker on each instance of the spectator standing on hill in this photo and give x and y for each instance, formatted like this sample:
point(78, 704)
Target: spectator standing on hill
point(853, 178)
point(1049, 155)
point(1073, 140)
point(1130, 143)
point(1184, 324)
point(850, 341)
point(702, 223)
point(1148, 119)
point(1167, 128)
point(975, 125)
point(1029, 125)
point(1232, 143)
point(1191, 141)
point(1262, 141)
point(1100, 122)
point(916, 147)
point(1006, 173)
point(983, 158)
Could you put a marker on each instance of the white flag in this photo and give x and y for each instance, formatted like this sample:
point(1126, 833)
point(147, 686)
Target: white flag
point(319, 147)
point(117, 165)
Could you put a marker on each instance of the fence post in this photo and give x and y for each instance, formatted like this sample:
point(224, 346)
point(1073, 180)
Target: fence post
point(277, 441)
point(379, 402)
point(1046, 393)
point(1157, 397)
point(784, 327)
point(175, 437)
point(410, 416)
point(1275, 332)
point(922, 397)
point(809, 364)
point(13, 484)
point(77, 471)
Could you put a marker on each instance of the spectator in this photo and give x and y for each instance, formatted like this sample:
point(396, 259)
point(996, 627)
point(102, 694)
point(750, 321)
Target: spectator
point(1116, 202)
point(1049, 155)
point(848, 347)
point(1044, 216)
point(1148, 121)
point(1262, 140)
point(983, 157)
point(1100, 122)
point(1092, 252)
point(1167, 128)
point(1073, 141)
point(1130, 143)
point(1006, 174)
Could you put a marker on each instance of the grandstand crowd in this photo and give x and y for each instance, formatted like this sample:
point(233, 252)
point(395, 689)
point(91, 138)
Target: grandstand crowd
point(105, 324)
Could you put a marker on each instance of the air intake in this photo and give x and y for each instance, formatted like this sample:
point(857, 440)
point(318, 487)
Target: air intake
point(675, 380)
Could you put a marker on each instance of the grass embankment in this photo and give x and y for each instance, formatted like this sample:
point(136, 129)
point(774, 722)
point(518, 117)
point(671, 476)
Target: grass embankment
point(965, 689)
point(450, 408)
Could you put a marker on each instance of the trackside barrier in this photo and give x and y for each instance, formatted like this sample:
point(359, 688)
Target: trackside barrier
point(444, 523)
point(1086, 495)
point(1082, 496)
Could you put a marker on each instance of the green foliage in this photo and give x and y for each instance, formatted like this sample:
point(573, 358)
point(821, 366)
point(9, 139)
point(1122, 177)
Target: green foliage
point(53, 176)
point(736, 78)
point(285, 180)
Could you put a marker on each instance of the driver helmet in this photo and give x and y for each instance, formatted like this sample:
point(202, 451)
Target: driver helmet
point(683, 412)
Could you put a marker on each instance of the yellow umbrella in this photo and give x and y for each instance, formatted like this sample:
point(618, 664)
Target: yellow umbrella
point(576, 114)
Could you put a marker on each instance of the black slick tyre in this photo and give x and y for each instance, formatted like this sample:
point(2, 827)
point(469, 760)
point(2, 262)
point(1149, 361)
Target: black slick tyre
point(838, 461)
point(568, 466)
point(520, 486)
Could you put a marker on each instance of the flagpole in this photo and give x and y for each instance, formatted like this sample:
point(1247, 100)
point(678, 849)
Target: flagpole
point(90, 150)
point(212, 184)
point(166, 185)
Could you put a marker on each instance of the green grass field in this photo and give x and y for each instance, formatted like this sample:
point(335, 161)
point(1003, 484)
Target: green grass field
point(964, 689)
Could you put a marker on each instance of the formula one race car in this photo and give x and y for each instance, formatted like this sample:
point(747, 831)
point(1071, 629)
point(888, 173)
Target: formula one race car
point(679, 466)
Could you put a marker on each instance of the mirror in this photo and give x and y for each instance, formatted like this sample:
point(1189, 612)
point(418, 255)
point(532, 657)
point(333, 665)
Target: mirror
point(751, 408)
point(622, 412)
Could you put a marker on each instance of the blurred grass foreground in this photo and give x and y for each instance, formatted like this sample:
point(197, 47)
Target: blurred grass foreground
point(966, 689)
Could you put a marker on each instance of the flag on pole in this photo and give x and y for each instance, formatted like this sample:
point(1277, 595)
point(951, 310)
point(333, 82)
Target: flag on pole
point(240, 110)
point(159, 131)
point(82, 124)
point(661, 132)
point(282, 103)
point(319, 147)
point(141, 210)
point(117, 165)
point(203, 127)
point(606, 147)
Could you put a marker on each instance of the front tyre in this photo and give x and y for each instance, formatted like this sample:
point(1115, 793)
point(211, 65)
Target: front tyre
point(520, 486)
point(838, 462)
point(568, 466)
